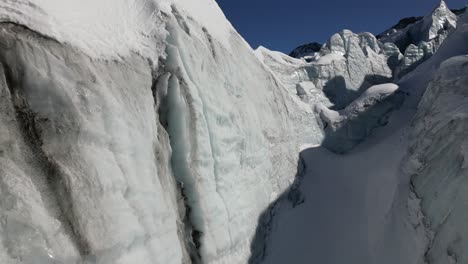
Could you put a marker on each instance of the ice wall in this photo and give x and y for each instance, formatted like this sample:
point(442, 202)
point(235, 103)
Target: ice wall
point(161, 148)
point(236, 133)
point(84, 164)
point(437, 162)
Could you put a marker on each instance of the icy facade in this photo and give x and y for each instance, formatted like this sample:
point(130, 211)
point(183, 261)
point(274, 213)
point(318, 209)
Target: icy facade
point(79, 145)
point(158, 148)
point(436, 157)
point(344, 68)
point(140, 131)
point(432, 27)
point(104, 28)
point(235, 135)
point(437, 162)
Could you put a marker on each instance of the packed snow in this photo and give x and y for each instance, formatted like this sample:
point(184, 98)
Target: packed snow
point(111, 29)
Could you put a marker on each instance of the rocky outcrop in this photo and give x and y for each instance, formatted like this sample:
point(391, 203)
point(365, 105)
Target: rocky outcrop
point(306, 51)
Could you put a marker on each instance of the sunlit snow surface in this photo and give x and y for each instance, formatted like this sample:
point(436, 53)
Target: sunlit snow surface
point(111, 28)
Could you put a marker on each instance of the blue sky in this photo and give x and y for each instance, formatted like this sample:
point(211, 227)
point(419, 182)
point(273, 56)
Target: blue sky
point(285, 24)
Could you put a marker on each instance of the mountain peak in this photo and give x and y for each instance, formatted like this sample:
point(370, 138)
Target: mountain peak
point(440, 18)
point(442, 5)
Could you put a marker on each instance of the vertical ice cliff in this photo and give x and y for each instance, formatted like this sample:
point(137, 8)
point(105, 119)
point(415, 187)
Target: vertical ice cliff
point(437, 162)
point(148, 131)
point(137, 132)
point(234, 131)
point(84, 162)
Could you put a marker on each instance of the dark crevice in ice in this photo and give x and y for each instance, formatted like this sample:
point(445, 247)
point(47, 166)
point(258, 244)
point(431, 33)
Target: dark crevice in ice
point(190, 236)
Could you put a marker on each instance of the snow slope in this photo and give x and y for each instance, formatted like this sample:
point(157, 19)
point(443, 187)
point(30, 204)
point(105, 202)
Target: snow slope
point(399, 196)
point(436, 157)
point(111, 28)
point(354, 208)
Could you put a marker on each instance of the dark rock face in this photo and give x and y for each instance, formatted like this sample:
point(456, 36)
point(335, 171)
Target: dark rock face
point(403, 23)
point(306, 50)
point(459, 12)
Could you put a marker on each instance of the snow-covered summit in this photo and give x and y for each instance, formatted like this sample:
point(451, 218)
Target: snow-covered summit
point(432, 27)
point(440, 19)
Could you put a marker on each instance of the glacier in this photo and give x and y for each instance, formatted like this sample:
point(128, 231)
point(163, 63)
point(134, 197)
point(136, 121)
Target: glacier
point(129, 155)
point(398, 196)
point(149, 131)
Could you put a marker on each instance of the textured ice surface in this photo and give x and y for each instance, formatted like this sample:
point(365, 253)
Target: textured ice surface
point(104, 28)
point(139, 162)
point(173, 160)
point(84, 168)
point(432, 27)
point(346, 66)
point(346, 128)
point(419, 39)
point(437, 161)
point(350, 208)
point(237, 130)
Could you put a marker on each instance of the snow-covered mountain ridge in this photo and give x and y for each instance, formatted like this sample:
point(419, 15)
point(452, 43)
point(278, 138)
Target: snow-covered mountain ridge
point(148, 131)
